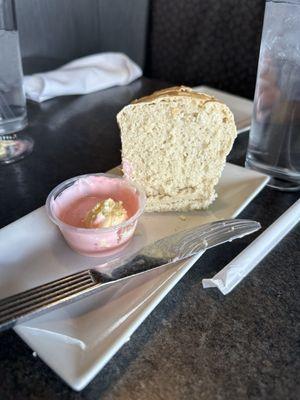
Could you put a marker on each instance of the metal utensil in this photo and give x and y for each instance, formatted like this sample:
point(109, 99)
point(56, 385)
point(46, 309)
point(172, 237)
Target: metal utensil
point(177, 247)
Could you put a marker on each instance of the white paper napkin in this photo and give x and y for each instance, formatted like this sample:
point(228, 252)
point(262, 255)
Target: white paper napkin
point(234, 272)
point(85, 75)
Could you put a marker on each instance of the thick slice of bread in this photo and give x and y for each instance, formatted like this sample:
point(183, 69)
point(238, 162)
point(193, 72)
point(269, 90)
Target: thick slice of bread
point(174, 144)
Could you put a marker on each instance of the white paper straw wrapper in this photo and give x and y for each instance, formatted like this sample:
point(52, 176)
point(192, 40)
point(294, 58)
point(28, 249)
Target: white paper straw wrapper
point(234, 272)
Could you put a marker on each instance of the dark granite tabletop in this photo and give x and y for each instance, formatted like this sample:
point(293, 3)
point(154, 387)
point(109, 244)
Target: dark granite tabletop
point(197, 344)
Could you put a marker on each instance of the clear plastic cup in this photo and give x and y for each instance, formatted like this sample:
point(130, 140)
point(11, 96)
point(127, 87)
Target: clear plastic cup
point(13, 115)
point(274, 141)
point(96, 242)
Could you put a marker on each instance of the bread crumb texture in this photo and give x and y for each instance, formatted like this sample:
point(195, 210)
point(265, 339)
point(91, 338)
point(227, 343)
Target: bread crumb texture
point(174, 144)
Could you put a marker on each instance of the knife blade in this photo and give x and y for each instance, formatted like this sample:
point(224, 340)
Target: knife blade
point(179, 246)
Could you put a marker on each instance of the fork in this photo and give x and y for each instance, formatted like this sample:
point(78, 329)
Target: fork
point(178, 247)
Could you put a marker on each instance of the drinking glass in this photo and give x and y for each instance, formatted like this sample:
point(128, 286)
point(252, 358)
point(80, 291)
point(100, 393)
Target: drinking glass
point(274, 141)
point(13, 117)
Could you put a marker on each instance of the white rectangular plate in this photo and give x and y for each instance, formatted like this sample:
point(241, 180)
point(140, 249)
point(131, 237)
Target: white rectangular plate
point(78, 340)
point(240, 107)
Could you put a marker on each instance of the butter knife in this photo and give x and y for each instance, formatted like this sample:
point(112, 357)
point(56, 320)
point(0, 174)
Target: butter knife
point(178, 247)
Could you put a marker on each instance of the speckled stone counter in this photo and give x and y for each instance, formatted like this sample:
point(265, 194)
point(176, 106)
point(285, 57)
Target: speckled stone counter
point(197, 344)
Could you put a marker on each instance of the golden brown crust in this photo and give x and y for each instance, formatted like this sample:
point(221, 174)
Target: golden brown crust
point(175, 91)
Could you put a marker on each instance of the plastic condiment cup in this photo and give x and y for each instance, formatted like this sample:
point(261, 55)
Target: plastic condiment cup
point(97, 242)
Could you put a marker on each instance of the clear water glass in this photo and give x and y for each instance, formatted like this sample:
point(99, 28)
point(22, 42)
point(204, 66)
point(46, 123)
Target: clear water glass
point(13, 117)
point(274, 141)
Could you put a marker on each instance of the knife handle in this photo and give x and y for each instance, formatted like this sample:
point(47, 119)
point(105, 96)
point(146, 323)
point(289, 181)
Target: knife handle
point(34, 302)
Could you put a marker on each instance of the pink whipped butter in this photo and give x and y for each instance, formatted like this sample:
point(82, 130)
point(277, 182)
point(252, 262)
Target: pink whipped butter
point(69, 204)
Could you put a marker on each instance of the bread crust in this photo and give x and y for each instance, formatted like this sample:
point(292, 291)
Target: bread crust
point(175, 91)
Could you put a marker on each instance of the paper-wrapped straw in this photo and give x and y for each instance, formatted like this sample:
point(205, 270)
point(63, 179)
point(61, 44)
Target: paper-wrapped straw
point(234, 272)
